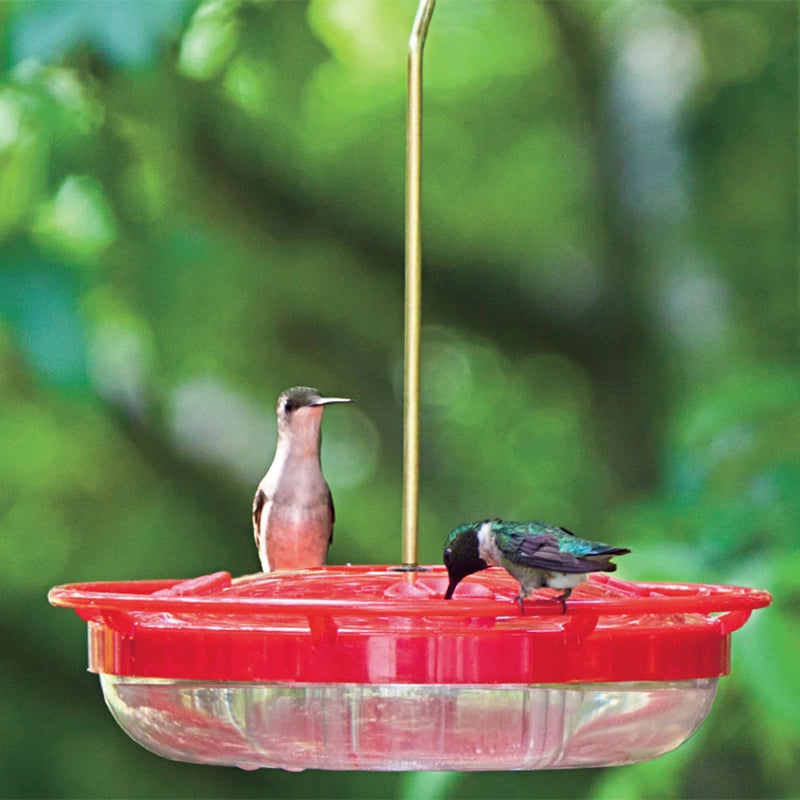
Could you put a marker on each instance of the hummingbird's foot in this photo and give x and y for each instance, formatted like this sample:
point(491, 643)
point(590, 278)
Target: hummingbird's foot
point(519, 598)
point(562, 598)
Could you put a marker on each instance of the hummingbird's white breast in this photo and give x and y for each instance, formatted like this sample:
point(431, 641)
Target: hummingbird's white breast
point(294, 521)
point(487, 549)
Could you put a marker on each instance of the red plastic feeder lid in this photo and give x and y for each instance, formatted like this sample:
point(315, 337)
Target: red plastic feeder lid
point(376, 624)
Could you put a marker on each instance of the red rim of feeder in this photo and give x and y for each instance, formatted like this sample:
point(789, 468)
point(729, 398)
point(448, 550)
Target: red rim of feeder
point(375, 624)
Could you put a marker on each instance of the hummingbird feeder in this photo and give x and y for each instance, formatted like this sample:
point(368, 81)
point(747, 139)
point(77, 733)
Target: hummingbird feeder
point(368, 667)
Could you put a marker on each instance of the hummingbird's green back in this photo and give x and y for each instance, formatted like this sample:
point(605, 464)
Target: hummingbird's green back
point(546, 546)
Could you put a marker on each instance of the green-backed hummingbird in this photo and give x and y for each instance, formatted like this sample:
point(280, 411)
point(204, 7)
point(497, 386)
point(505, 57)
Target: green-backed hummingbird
point(535, 553)
point(293, 509)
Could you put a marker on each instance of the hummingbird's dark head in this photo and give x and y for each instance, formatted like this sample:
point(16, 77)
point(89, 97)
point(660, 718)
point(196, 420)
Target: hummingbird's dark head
point(462, 554)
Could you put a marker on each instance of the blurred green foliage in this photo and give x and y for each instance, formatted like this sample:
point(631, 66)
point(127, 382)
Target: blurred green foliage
point(202, 204)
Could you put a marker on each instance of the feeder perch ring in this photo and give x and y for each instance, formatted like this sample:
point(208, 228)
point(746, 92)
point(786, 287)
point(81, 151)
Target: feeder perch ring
point(363, 667)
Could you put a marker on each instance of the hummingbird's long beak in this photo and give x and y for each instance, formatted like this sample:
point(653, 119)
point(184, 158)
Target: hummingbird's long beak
point(451, 588)
point(324, 401)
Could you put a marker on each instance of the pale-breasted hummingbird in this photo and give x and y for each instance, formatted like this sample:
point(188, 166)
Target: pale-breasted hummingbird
point(535, 553)
point(293, 509)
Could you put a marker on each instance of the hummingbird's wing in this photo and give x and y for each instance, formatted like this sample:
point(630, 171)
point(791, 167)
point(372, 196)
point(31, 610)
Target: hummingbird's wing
point(554, 549)
point(333, 515)
point(259, 501)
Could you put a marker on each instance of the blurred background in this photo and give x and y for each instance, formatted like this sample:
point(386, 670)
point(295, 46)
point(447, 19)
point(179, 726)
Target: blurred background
point(201, 204)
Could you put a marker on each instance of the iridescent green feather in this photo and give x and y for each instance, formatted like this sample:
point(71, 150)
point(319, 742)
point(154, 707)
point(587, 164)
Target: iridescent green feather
point(545, 546)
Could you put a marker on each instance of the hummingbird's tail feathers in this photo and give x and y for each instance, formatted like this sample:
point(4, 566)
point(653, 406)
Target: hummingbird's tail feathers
point(603, 562)
point(610, 551)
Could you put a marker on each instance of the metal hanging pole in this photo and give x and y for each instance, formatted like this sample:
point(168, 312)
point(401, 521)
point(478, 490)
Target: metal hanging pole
point(413, 284)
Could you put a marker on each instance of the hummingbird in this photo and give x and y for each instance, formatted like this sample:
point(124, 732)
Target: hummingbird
point(293, 509)
point(535, 553)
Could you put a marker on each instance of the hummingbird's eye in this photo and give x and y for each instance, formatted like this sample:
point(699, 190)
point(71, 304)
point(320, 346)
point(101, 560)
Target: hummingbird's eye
point(288, 406)
point(448, 555)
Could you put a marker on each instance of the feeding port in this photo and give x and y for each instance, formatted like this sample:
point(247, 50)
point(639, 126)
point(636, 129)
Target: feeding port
point(367, 667)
